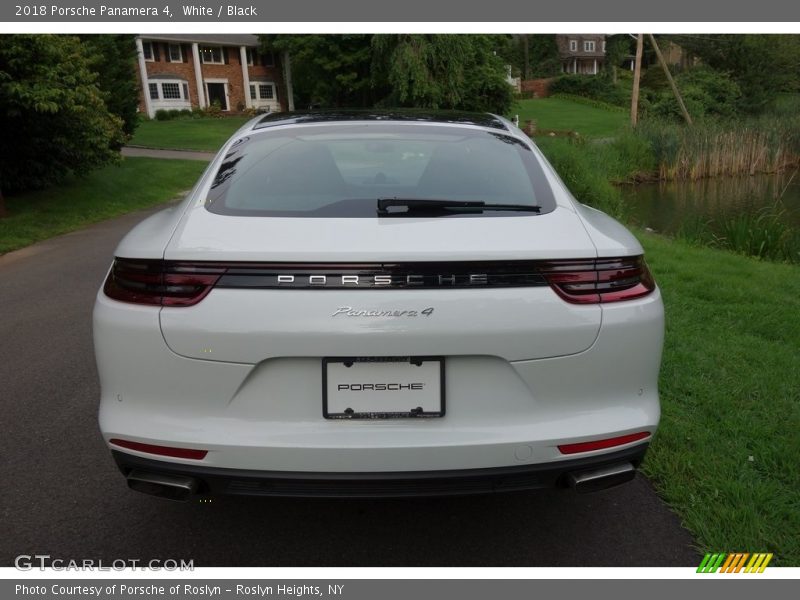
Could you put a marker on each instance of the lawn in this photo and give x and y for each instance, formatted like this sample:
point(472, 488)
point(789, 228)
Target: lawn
point(205, 134)
point(727, 454)
point(111, 191)
point(561, 114)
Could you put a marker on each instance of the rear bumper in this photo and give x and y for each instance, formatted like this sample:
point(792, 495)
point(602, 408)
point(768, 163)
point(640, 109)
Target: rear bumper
point(216, 481)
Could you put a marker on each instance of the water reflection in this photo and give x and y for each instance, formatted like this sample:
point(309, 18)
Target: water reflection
point(665, 206)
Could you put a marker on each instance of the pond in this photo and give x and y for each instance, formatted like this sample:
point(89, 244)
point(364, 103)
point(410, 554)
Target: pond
point(666, 206)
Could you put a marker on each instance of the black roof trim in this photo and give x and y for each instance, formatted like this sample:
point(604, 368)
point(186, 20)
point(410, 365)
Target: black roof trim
point(416, 115)
point(211, 39)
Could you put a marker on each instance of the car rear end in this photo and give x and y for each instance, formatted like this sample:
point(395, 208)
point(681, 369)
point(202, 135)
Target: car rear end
point(275, 335)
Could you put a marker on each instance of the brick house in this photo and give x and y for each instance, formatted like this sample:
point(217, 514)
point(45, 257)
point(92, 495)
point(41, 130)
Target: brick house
point(191, 71)
point(582, 54)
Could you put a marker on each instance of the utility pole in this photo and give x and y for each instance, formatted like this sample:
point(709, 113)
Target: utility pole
point(637, 72)
point(671, 80)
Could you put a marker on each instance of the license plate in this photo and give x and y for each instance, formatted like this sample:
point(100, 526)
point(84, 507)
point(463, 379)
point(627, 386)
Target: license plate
point(383, 387)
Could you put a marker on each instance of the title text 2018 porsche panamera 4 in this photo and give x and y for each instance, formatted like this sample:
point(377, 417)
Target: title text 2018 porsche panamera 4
point(378, 303)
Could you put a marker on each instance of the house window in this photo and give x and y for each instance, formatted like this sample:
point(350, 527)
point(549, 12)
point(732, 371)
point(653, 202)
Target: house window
point(573, 45)
point(170, 91)
point(588, 46)
point(603, 46)
point(262, 91)
point(265, 91)
point(268, 59)
point(175, 53)
point(147, 50)
point(252, 57)
point(212, 55)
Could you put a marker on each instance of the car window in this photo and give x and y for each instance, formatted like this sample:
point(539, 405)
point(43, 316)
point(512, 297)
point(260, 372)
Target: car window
point(342, 171)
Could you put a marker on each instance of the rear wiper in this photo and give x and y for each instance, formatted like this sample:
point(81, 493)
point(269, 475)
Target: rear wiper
point(445, 206)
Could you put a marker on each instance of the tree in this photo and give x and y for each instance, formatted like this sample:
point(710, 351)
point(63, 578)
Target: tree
point(113, 58)
point(543, 56)
point(441, 71)
point(531, 56)
point(425, 71)
point(618, 48)
point(762, 65)
point(52, 114)
point(332, 70)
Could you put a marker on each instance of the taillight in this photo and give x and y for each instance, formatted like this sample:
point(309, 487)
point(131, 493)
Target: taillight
point(159, 283)
point(601, 280)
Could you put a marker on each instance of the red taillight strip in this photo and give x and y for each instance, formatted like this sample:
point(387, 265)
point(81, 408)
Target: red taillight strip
point(602, 444)
point(595, 281)
point(160, 450)
point(158, 283)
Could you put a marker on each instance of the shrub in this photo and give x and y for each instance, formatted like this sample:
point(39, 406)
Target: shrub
point(595, 87)
point(705, 92)
point(172, 113)
point(214, 110)
point(590, 102)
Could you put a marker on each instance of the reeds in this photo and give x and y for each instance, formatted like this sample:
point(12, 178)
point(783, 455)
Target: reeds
point(764, 234)
point(713, 149)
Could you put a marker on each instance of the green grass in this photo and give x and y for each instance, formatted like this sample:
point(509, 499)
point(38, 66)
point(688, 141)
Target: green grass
point(562, 114)
point(727, 454)
point(205, 134)
point(111, 191)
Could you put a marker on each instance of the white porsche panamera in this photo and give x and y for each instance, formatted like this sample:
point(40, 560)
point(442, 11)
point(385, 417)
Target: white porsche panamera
point(364, 303)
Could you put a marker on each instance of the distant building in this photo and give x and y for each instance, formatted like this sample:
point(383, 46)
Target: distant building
point(583, 54)
point(676, 55)
point(196, 71)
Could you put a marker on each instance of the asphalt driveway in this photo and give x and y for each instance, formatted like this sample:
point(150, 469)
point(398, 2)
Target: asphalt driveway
point(62, 495)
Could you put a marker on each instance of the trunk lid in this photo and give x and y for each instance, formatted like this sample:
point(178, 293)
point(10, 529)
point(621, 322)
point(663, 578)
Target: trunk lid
point(251, 325)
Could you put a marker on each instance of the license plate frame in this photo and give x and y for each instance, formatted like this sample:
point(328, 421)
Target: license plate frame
point(388, 407)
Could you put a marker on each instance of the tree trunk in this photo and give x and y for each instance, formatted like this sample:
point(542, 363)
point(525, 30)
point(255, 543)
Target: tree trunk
point(637, 72)
point(526, 46)
point(287, 65)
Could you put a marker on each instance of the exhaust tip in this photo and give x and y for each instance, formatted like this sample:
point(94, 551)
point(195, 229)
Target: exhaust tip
point(602, 478)
point(170, 487)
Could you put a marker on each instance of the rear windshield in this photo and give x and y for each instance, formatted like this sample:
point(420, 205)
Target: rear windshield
point(341, 171)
